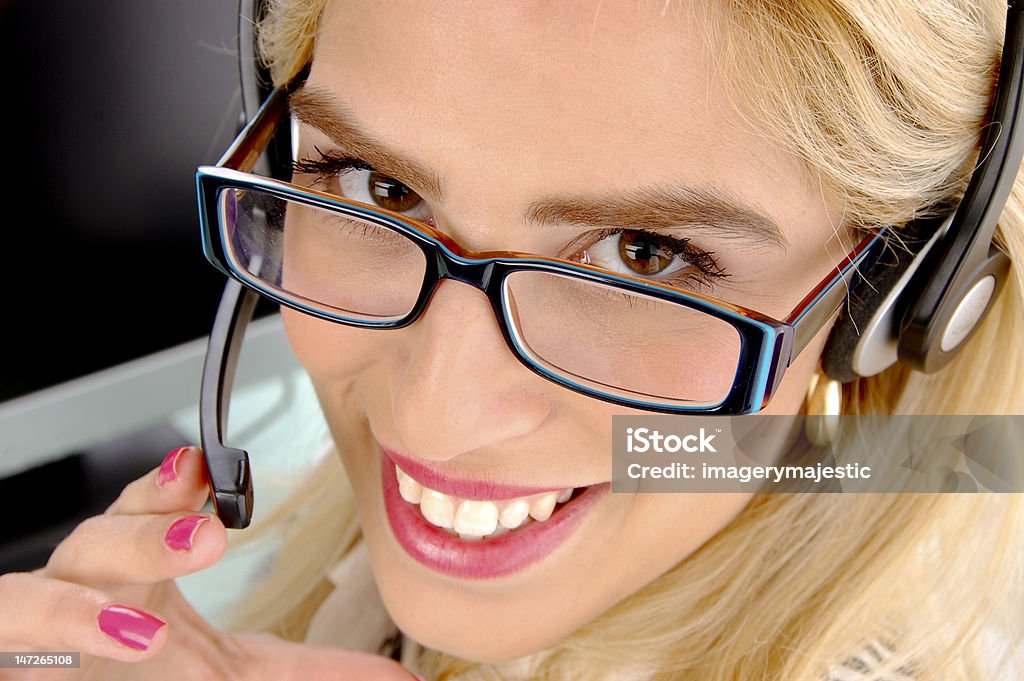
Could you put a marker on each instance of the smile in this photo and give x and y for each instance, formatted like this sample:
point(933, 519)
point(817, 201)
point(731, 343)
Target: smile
point(476, 519)
point(460, 532)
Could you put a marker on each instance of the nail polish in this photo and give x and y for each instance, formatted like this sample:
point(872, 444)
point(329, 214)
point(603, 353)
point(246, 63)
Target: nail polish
point(181, 533)
point(130, 627)
point(169, 468)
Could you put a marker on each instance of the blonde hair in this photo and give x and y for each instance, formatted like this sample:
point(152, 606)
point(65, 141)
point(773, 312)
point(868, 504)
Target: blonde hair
point(885, 101)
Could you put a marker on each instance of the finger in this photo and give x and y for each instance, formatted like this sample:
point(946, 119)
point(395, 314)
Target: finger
point(178, 484)
point(46, 614)
point(109, 550)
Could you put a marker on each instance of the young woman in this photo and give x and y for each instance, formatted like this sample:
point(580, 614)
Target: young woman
point(739, 150)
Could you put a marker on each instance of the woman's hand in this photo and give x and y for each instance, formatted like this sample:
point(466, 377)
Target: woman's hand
point(107, 592)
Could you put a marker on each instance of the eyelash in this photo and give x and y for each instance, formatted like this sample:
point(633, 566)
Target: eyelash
point(707, 270)
point(329, 166)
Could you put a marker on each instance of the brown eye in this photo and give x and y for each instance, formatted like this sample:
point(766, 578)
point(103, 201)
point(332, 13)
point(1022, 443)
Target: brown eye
point(391, 194)
point(643, 253)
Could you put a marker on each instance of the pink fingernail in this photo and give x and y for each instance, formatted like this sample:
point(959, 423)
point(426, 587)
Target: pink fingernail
point(169, 468)
point(181, 533)
point(129, 627)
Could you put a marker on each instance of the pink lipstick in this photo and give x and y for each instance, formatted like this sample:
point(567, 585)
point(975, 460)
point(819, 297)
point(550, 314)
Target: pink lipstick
point(489, 557)
point(461, 487)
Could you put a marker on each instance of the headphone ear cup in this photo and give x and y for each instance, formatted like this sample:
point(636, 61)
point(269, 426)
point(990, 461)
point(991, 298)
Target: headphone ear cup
point(862, 303)
point(879, 289)
point(949, 330)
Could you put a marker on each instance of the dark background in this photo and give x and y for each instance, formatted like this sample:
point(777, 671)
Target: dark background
point(107, 108)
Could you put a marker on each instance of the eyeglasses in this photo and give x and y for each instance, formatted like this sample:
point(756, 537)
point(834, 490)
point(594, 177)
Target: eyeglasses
point(625, 340)
point(629, 341)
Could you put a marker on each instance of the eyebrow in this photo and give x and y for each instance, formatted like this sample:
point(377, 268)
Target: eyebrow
point(703, 210)
point(320, 110)
point(713, 212)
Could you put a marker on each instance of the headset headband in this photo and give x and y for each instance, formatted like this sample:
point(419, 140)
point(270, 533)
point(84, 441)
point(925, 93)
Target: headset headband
point(958, 279)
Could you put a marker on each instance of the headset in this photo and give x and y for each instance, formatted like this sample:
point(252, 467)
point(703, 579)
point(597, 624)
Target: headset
point(918, 307)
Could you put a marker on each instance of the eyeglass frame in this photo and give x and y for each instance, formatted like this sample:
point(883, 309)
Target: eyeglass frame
point(767, 345)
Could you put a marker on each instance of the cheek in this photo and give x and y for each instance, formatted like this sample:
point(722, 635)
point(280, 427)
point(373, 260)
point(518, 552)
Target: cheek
point(667, 528)
point(331, 352)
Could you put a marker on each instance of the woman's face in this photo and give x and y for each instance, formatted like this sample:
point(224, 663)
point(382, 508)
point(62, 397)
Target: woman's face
point(481, 111)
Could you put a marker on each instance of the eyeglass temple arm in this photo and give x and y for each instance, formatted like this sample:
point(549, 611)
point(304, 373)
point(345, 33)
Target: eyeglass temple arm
point(250, 143)
point(814, 311)
point(230, 478)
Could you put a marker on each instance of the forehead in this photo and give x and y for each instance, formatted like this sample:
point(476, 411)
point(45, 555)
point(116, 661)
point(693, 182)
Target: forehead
point(616, 94)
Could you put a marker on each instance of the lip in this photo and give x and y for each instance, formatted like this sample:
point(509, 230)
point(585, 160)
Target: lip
point(464, 488)
point(481, 558)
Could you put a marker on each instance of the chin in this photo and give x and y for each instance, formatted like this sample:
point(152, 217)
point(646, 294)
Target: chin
point(485, 639)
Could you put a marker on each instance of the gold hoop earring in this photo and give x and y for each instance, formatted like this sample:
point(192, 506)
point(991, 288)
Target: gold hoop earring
point(824, 405)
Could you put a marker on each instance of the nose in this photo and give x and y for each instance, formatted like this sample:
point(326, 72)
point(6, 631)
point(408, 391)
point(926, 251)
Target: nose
point(461, 389)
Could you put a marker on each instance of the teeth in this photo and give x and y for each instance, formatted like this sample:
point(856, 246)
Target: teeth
point(437, 508)
point(513, 515)
point(476, 519)
point(542, 507)
point(410, 490)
